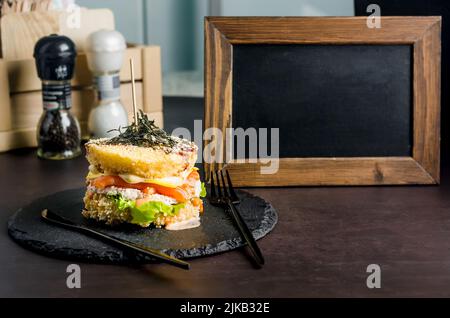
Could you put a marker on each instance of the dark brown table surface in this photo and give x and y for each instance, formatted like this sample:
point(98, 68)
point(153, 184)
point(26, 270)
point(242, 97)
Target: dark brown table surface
point(321, 247)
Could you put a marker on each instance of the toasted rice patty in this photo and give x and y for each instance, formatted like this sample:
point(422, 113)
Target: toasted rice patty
point(102, 208)
point(150, 163)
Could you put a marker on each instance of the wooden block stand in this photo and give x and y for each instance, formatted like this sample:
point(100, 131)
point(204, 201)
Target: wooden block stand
point(21, 97)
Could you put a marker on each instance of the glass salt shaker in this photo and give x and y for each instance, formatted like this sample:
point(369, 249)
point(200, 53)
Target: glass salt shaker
point(105, 51)
point(58, 131)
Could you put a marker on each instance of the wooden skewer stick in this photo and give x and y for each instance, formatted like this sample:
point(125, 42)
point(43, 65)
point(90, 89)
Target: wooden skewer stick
point(133, 89)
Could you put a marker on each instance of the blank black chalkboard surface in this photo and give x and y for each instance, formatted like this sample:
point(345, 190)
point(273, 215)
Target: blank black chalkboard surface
point(332, 101)
point(424, 8)
point(353, 105)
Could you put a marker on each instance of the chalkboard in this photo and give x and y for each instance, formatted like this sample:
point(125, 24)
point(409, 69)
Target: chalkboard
point(327, 101)
point(424, 8)
point(354, 105)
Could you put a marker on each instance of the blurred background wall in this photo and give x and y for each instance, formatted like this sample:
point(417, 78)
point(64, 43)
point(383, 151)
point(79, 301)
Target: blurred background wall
point(177, 26)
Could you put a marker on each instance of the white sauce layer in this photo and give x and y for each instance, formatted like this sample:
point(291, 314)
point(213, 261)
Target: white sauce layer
point(198, 188)
point(184, 225)
point(134, 194)
point(127, 193)
point(162, 198)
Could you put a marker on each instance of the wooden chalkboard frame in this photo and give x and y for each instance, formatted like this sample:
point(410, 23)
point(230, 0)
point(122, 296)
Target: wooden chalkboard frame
point(423, 33)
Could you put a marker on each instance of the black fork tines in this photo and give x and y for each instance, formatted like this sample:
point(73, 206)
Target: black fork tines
point(213, 186)
point(224, 185)
point(233, 194)
point(223, 194)
point(219, 188)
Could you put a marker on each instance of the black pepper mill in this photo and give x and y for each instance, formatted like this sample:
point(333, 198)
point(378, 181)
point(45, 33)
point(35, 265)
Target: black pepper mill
point(58, 132)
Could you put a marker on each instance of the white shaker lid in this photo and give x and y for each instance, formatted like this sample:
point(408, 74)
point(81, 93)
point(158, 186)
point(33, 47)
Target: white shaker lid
point(105, 51)
point(105, 41)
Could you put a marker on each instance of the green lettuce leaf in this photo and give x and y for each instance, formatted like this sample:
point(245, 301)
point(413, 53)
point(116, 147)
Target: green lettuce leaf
point(147, 212)
point(123, 204)
point(203, 190)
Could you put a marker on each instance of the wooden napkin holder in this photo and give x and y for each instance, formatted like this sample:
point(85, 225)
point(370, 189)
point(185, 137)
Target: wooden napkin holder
point(21, 97)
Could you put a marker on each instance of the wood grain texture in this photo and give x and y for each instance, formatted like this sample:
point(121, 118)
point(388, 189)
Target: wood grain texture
point(21, 97)
point(330, 30)
point(90, 20)
point(5, 105)
point(21, 31)
point(423, 33)
point(19, 138)
point(27, 107)
point(22, 74)
point(26, 137)
point(218, 77)
point(152, 79)
point(333, 172)
point(158, 117)
point(321, 246)
point(427, 98)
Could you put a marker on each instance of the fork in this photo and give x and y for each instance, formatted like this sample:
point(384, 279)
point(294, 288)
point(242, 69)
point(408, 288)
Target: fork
point(225, 196)
point(57, 219)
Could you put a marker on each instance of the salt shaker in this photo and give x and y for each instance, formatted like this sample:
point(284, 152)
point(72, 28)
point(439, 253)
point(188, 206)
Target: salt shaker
point(105, 52)
point(58, 131)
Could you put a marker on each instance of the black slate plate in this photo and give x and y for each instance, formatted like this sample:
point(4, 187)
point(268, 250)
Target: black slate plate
point(216, 234)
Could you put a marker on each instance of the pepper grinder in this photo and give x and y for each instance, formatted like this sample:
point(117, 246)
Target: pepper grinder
point(58, 132)
point(105, 53)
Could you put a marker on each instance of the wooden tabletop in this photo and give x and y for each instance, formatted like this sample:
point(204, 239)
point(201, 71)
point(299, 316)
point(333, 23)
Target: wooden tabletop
point(322, 245)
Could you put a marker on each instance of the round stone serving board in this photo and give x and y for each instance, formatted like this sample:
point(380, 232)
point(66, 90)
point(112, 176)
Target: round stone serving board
point(216, 234)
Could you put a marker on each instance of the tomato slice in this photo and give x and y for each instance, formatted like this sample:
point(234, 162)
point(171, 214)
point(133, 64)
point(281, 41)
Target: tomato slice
point(194, 176)
point(104, 181)
point(107, 181)
point(177, 193)
point(197, 202)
